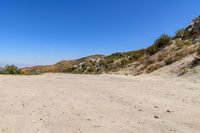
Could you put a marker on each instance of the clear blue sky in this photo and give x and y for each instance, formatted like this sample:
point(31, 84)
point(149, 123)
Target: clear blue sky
point(46, 31)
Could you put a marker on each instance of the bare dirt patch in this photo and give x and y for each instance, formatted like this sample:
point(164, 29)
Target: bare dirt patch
point(63, 103)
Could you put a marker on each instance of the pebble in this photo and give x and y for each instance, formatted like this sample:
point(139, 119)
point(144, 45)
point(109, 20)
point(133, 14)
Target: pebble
point(168, 111)
point(156, 117)
point(156, 107)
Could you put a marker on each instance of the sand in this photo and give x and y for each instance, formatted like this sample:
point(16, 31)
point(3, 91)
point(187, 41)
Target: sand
point(64, 103)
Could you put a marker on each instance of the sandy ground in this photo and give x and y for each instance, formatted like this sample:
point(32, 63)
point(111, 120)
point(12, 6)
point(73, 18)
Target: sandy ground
point(63, 103)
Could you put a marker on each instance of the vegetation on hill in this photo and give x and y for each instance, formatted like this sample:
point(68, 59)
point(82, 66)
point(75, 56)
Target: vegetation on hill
point(159, 44)
point(164, 51)
point(180, 33)
point(198, 51)
point(59, 67)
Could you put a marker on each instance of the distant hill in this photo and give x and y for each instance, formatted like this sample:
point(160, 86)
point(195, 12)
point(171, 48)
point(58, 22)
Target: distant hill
point(1, 68)
point(178, 54)
point(62, 66)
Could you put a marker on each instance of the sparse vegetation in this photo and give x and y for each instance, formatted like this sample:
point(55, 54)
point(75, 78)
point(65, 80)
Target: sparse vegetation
point(164, 51)
point(198, 51)
point(183, 43)
point(153, 67)
point(180, 33)
point(159, 44)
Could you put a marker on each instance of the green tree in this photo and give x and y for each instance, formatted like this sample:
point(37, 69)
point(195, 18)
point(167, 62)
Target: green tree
point(160, 43)
point(11, 69)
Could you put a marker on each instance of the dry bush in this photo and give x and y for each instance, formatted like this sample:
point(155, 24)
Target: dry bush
point(180, 33)
point(169, 61)
point(153, 67)
point(162, 56)
point(147, 62)
point(198, 51)
point(181, 43)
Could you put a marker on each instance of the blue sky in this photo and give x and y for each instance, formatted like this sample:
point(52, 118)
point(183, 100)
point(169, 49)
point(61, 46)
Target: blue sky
point(39, 32)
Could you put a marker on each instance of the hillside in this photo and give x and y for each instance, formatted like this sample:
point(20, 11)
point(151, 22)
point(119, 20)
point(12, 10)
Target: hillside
point(177, 55)
point(62, 66)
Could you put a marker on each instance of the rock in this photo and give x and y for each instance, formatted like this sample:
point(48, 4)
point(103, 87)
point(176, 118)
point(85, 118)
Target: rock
point(169, 111)
point(156, 117)
point(193, 30)
point(156, 107)
point(33, 121)
point(97, 126)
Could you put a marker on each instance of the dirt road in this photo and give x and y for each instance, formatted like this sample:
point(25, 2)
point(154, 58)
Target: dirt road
point(63, 103)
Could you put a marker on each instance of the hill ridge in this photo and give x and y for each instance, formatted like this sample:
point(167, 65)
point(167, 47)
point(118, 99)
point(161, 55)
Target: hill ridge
point(165, 51)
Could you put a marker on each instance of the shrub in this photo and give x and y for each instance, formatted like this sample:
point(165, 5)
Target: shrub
point(153, 67)
point(198, 51)
point(147, 62)
point(117, 55)
point(169, 61)
point(180, 33)
point(135, 55)
point(11, 70)
point(183, 43)
point(124, 62)
point(162, 56)
point(37, 72)
point(160, 43)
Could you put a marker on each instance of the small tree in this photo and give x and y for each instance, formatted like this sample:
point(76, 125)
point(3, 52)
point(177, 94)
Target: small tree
point(160, 43)
point(11, 70)
point(163, 41)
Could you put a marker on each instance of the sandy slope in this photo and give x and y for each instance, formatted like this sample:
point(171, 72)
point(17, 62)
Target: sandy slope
point(61, 103)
